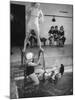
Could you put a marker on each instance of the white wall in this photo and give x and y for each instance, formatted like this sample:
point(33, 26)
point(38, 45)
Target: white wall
point(66, 22)
point(54, 9)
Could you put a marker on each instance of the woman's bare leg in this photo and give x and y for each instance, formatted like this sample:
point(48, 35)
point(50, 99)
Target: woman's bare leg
point(25, 41)
point(37, 32)
point(34, 79)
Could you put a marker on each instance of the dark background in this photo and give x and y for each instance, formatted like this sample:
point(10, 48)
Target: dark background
point(17, 25)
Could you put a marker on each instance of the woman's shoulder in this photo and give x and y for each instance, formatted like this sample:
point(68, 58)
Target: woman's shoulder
point(30, 64)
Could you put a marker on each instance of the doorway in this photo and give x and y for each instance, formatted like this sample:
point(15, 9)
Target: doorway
point(17, 24)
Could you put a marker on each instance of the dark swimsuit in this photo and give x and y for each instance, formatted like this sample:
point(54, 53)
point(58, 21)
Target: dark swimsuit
point(61, 33)
point(56, 32)
point(29, 69)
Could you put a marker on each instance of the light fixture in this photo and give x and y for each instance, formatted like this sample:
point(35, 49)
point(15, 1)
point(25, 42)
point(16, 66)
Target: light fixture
point(53, 19)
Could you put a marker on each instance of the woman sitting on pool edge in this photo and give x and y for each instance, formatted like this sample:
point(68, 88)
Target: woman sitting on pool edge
point(30, 69)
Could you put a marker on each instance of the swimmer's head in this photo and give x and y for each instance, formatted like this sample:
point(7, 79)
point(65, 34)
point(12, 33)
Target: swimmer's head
point(36, 4)
point(61, 28)
point(29, 56)
point(56, 27)
point(52, 27)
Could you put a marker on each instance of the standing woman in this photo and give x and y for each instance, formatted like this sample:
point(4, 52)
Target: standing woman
point(33, 17)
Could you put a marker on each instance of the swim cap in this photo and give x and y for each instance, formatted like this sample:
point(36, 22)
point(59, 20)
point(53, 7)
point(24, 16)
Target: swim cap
point(29, 56)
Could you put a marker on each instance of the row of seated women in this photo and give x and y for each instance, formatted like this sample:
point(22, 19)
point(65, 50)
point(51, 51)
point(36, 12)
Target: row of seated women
point(56, 37)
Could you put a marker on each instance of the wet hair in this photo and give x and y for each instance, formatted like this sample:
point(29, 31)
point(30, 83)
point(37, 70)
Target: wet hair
point(62, 65)
point(56, 26)
point(52, 26)
point(61, 27)
point(33, 3)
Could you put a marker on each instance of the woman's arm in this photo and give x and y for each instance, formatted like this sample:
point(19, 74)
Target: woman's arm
point(39, 56)
point(41, 16)
point(28, 14)
point(38, 62)
point(33, 64)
